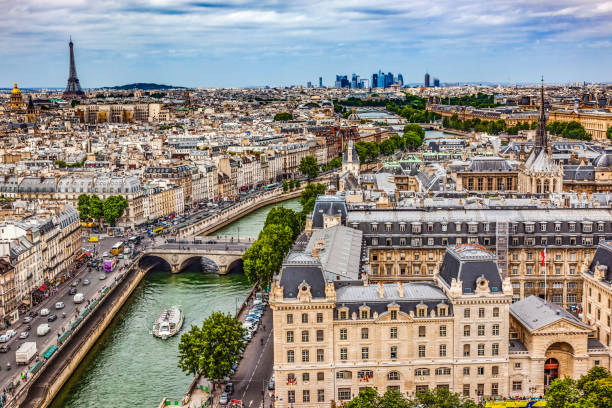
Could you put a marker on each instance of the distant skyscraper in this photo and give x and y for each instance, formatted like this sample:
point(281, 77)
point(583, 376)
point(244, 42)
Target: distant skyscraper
point(342, 81)
point(374, 83)
point(436, 83)
point(426, 80)
point(354, 81)
point(320, 82)
point(309, 84)
point(400, 79)
point(73, 89)
point(381, 79)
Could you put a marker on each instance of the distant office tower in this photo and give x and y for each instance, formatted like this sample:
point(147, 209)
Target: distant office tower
point(320, 82)
point(389, 80)
point(342, 81)
point(400, 79)
point(308, 84)
point(426, 80)
point(73, 89)
point(354, 81)
point(364, 83)
point(374, 83)
point(436, 83)
point(381, 79)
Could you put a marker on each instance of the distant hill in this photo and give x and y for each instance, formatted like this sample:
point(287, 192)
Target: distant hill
point(143, 86)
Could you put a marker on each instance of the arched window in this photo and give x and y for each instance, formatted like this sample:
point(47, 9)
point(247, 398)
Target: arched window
point(393, 376)
point(539, 187)
point(546, 186)
point(419, 372)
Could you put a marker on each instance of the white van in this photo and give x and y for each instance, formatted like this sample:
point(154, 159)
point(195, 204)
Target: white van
point(78, 298)
point(43, 329)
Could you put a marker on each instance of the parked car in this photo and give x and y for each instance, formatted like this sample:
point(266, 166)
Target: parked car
point(11, 333)
point(271, 383)
point(27, 319)
point(229, 388)
point(72, 291)
point(4, 338)
point(5, 348)
point(44, 312)
point(86, 282)
point(224, 399)
point(24, 335)
point(52, 318)
point(59, 305)
point(102, 277)
point(74, 284)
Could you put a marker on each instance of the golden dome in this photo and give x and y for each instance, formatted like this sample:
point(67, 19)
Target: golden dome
point(16, 90)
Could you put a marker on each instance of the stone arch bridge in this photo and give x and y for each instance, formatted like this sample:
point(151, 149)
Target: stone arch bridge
point(178, 255)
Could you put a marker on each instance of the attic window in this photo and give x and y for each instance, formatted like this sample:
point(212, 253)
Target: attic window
point(468, 290)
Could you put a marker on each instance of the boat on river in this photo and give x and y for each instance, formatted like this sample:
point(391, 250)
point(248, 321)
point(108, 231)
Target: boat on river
point(168, 323)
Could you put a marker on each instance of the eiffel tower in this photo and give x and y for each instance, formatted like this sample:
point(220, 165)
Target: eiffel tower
point(73, 89)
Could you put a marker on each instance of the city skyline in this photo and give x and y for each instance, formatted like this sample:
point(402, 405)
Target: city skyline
point(241, 44)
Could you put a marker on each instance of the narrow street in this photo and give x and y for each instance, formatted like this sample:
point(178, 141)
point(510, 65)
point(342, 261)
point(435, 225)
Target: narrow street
point(255, 369)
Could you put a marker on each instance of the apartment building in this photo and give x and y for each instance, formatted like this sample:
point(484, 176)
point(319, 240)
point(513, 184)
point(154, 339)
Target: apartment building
point(333, 336)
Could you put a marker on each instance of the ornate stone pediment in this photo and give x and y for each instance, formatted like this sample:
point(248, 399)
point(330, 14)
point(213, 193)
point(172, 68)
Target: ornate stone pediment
point(562, 326)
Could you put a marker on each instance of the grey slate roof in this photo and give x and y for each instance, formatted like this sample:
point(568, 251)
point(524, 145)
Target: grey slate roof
point(340, 254)
point(493, 164)
point(603, 256)
point(469, 263)
point(328, 205)
point(300, 267)
point(534, 313)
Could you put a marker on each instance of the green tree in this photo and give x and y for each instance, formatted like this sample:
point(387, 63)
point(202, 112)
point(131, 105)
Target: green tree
point(562, 393)
point(309, 167)
point(609, 133)
point(285, 216)
point(574, 130)
point(309, 195)
point(212, 349)
point(442, 398)
point(285, 186)
point(60, 163)
point(282, 116)
point(298, 183)
point(83, 207)
point(291, 184)
point(74, 103)
point(265, 256)
point(96, 210)
point(113, 208)
point(394, 399)
point(415, 128)
point(335, 163)
point(367, 398)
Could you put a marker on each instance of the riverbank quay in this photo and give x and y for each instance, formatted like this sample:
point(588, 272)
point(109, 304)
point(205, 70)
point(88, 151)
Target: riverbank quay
point(50, 376)
point(200, 392)
point(211, 224)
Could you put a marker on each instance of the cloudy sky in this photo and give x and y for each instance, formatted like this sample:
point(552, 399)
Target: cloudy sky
point(217, 43)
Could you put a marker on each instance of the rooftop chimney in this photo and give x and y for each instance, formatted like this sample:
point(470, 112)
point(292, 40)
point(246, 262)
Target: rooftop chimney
point(400, 289)
point(381, 291)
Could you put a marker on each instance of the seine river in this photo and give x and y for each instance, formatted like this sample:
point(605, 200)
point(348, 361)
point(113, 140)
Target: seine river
point(129, 367)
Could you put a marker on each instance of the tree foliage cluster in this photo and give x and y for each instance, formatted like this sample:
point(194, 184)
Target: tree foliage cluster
point(493, 127)
point(213, 348)
point(592, 390)
point(93, 208)
point(437, 398)
point(480, 100)
point(309, 167)
point(282, 116)
point(609, 133)
point(568, 130)
point(265, 256)
point(411, 139)
point(289, 185)
point(309, 196)
point(334, 163)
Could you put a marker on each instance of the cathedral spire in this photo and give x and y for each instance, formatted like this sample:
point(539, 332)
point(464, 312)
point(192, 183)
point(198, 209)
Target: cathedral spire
point(541, 139)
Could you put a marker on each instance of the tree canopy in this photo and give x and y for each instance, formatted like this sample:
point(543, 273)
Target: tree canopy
point(93, 208)
point(285, 216)
point(568, 130)
point(60, 163)
point(282, 116)
point(609, 133)
point(437, 398)
point(309, 167)
point(592, 390)
point(213, 348)
point(309, 195)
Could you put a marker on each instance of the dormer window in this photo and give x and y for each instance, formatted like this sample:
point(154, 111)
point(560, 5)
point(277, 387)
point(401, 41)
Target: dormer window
point(364, 312)
point(421, 311)
point(442, 310)
point(529, 228)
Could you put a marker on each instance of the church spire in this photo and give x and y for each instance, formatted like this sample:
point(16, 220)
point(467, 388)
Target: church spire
point(541, 140)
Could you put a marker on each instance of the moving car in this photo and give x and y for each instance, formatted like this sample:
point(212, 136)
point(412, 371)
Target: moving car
point(102, 277)
point(74, 284)
point(72, 291)
point(44, 312)
point(27, 319)
point(59, 305)
point(224, 398)
point(5, 348)
point(86, 282)
point(52, 318)
point(24, 335)
point(43, 329)
point(78, 298)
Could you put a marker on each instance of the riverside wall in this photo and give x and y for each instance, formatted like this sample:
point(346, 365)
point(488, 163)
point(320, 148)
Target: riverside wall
point(46, 384)
point(220, 220)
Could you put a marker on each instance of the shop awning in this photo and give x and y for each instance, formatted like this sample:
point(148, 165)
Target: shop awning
point(43, 288)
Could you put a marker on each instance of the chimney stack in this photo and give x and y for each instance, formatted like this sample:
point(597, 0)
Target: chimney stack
point(381, 291)
point(400, 289)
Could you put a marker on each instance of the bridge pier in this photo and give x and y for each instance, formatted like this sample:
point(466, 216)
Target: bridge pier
point(178, 258)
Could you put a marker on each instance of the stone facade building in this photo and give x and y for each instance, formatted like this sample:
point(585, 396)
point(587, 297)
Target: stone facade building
point(334, 336)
